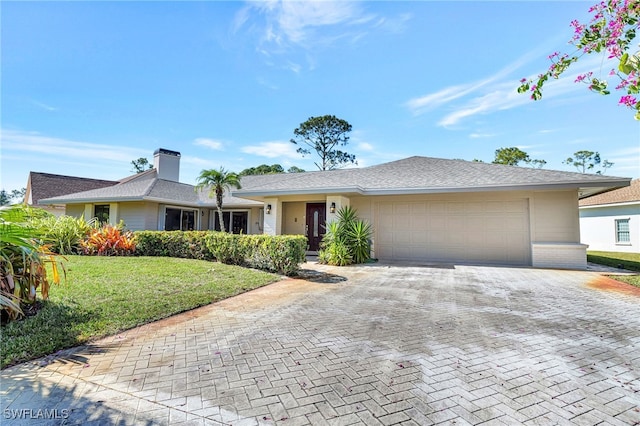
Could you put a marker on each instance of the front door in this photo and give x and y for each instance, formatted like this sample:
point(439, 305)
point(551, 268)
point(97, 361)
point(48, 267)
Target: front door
point(315, 224)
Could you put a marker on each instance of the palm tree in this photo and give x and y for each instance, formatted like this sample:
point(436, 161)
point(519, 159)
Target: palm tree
point(218, 181)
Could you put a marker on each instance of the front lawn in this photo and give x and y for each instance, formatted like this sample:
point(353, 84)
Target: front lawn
point(105, 295)
point(629, 261)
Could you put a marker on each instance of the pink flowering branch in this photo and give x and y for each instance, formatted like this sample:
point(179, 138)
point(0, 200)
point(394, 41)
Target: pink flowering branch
point(611, 32)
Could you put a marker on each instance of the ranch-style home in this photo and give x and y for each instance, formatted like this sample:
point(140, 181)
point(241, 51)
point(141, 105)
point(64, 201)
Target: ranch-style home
point(421, 209)
point(611, 221)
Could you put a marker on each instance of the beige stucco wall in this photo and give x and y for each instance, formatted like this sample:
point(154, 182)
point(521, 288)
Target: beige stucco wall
point(75, 210)
point(555, 216)
point(294, 218)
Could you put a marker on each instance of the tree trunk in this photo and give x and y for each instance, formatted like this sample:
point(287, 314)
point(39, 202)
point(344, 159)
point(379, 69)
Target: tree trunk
point(220, 216)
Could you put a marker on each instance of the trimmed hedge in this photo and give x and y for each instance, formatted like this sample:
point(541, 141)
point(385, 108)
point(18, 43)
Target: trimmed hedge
point(282, 254)
point(184, 244)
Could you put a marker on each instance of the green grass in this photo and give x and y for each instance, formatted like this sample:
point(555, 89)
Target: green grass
point(629, 261)
point(105, 295)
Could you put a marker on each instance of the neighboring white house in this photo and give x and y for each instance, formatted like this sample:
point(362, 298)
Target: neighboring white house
point(421, 209)
point(611, 221)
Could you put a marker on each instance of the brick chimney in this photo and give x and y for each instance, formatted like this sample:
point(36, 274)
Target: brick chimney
point(167, 164)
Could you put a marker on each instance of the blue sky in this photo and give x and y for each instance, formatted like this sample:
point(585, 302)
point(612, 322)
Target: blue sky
point(87, 87)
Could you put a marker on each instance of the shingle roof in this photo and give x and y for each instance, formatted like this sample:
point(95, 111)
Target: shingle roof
point(47, 185)
point(407, 176)
point(146, 186)
point(423, 175)
point(623, 195)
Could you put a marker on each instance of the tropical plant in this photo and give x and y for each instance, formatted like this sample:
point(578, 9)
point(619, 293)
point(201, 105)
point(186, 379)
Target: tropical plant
point(218, 181)
point(346, 240)
point(64, 234)
point(23, 262)
point(358, 240)
point(109, 240)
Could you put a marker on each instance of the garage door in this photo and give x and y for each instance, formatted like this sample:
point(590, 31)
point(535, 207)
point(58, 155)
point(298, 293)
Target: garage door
point(491, 232)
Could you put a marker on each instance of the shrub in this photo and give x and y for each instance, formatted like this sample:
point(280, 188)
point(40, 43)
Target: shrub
point(282, 254)
point(347, 240)
point(64, 234)
point(230, 249)
point(109, 240)
point(184, 244)
point(23, 263)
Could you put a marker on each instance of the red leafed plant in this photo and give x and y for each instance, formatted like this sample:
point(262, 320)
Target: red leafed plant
point(109, 240)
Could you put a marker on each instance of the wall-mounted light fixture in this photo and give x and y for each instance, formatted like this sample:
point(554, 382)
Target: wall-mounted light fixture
point(268, 211)
point(332, 209)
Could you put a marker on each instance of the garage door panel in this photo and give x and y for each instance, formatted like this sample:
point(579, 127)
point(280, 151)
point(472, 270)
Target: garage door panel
point(456, 208)
point(438, 237)
point(419, 222)
point(437, 207)
point(401, 209)
point(487, 231)
point(402, 237)
point(420, 238)
point(437, 222)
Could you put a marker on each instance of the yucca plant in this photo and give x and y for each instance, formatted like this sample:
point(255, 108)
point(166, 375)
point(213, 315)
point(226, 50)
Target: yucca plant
point(23, 262)
point(358, 240)
point(346, 240)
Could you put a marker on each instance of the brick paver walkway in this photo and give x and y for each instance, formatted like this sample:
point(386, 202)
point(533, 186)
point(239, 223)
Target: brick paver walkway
point(374, 345)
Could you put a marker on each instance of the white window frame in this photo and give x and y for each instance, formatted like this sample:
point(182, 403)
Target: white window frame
point(617, 231)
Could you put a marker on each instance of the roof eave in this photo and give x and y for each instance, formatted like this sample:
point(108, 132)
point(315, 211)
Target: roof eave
point(48, 201)
point(597, 185)
point(603, 205)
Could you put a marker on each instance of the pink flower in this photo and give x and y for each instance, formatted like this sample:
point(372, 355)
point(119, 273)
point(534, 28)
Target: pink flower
point(628, 100)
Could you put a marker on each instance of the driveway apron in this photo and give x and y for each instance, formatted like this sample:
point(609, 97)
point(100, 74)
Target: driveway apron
point(376, 345)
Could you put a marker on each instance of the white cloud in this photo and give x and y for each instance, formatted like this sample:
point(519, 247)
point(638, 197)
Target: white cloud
point(197, 161)
point(209, 143)
point(286, 25)
point(295, 21)
point(272, 149)
point(365, 146)
point(21, 141)
point(481, 135)
point(44, 106)
point(498, 92)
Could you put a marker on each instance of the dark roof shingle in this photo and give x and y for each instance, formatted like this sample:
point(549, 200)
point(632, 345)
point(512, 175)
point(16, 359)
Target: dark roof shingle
point(47, 185)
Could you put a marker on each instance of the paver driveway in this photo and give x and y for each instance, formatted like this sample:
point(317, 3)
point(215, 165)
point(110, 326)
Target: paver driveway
point(363, 345)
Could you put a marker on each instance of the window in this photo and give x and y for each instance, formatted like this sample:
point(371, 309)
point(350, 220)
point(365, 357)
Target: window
point(179, 219)
point(622, 231)
point(101, 212)
point(234, 222)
